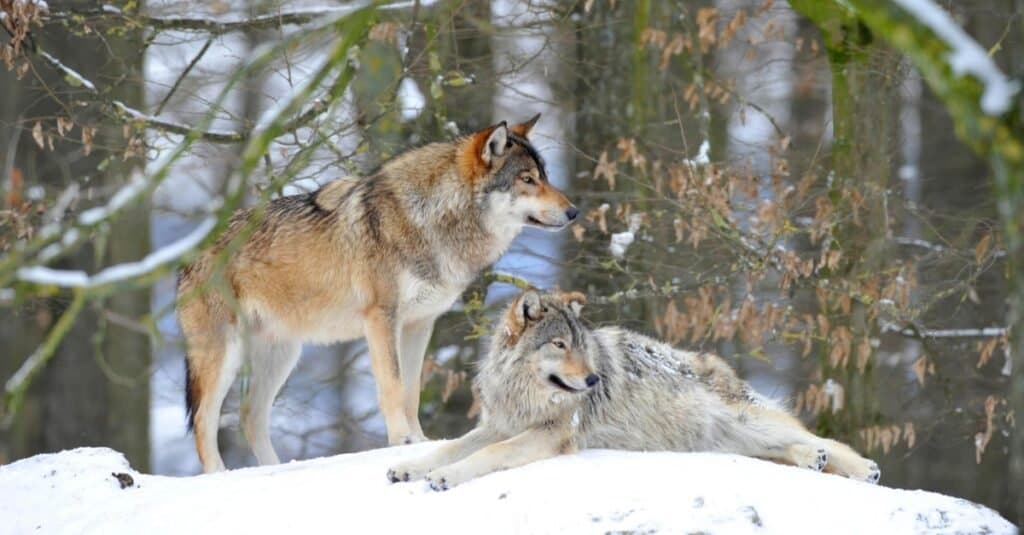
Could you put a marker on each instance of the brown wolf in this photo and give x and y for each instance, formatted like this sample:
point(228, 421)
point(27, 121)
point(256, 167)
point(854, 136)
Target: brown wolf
point(550, 386)
point(381, 256)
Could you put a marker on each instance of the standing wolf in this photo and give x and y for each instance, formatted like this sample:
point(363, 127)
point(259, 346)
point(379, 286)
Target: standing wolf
point(551, 386)
point(381, 256)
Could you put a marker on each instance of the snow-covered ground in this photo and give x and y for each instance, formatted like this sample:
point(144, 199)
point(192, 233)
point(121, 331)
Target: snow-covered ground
point(597, 491)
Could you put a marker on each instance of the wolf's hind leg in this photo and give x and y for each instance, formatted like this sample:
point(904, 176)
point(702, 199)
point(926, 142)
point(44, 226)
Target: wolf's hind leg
point(770, 433)
point(272, 362)
point(213, 366)
point(843, 460)
point(776, 434)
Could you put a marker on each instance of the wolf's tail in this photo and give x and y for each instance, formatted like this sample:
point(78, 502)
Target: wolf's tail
point(191, 394)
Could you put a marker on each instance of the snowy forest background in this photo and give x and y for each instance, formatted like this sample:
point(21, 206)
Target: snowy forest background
point(779, 183)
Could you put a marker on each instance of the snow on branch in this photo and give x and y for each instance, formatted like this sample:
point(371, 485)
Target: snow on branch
point(969, 332)
point(217, 26)
point(966, 55)
point(121, 272)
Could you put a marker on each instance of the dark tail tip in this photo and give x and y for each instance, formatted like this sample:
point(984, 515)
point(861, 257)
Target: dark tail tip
point(191, 395)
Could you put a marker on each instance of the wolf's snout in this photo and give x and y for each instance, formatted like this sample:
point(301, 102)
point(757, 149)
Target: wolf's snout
point(593, 378)
point(572, 212)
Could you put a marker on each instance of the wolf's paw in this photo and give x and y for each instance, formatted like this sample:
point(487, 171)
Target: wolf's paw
point(406, 472)
point(874, 474)
point(820, 460)
point(440, 484)
point(867, 472)
point(414, 438)
point(444, 478)
point(808, 456)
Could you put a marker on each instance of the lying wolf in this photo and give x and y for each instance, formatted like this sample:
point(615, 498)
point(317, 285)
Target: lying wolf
point(551, 386)
point(380, 257)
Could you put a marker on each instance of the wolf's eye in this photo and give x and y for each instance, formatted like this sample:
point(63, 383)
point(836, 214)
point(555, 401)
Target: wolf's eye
point(559, 344)
point(527, 179)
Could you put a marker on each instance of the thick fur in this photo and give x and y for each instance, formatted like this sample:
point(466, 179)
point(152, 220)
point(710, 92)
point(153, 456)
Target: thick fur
point(550, 386)
point(380, 256)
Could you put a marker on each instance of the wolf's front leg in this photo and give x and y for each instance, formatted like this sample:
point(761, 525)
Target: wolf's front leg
point(524, 448)
point(382, 336)
point(411, 348)
point(451, 452)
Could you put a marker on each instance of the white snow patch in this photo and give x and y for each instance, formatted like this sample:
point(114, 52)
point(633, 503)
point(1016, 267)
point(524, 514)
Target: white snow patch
point(966, 56)
point(595, 491)
point(71, 76)
point(703, 156)
point(411, 101)
point(56, 277)
point(621, 241)
point(128, 193)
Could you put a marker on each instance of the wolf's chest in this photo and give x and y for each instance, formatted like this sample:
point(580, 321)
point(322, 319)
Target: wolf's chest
point(421, 298)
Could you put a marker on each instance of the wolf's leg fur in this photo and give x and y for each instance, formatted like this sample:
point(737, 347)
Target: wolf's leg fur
point(527, 447)
point(272, 362)
point(216, 381)
point(843, 460)
point(770, 433)
point(381, 334)
point(413, 345)
point(807, 456)
point(450, 452)
point(776, 434)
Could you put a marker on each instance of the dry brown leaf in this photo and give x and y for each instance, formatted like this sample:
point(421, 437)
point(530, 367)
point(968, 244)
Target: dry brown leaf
point(909, 434)
point(64, 125)
point(920, 368)
point(606, 169)
point(578, 231)
point(987, 348)
point(37, 135)
point(12, 199)
point(982, 247)
point(88, 133)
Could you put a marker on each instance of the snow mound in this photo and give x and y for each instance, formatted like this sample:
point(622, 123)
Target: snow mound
point(94, 490)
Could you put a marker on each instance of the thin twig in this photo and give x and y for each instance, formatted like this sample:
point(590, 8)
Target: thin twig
point(182, 76)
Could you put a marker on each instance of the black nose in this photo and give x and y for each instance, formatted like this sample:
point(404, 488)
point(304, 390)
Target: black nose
point(592, 379)
point(572, 212)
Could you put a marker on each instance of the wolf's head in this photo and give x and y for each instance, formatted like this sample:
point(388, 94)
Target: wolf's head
point(543, 334)
point(509, 175)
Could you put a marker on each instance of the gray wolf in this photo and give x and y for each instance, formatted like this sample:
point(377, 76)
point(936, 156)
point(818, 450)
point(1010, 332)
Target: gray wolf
point(551, 386)
point(379, 257)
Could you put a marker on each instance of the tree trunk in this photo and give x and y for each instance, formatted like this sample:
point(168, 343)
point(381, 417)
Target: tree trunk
point(95, 391)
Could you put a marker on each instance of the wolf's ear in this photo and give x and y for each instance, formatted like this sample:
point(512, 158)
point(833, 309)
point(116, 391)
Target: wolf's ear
point(575, 301)
point(529, 307)
point(524, 309)
point(494, 143)
point(522, 129)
